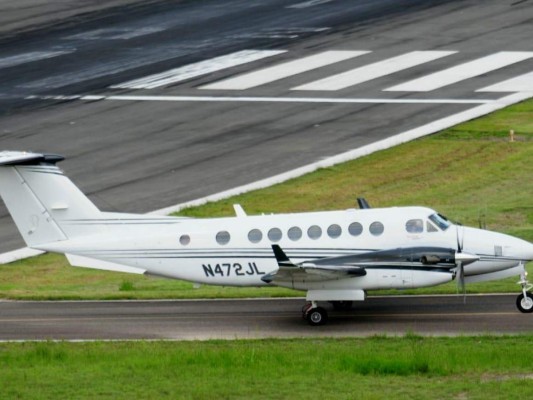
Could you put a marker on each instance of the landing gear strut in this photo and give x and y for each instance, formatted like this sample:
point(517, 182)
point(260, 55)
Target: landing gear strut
point(524, 302)
point(314, 315)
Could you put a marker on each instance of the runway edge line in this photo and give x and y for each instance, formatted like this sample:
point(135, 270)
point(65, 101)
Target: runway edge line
point(384, 144)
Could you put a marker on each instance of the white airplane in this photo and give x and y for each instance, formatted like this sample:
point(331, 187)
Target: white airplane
point(335, 256)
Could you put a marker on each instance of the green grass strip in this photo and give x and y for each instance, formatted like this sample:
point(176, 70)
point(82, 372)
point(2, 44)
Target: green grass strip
point(411, 367)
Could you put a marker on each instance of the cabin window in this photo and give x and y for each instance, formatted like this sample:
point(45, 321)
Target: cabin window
point(274, 234)
point(376, 228)
point(440, 221)
point(355, 229)
point(414, 226)
point(255, 236)
point(430, 227)
point(334, 231)
point(185, 240)
point(294, 233)
point(314, 232)
point(223, 237)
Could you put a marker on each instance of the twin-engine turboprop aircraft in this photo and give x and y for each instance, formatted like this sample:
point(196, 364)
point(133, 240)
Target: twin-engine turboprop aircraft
point(335, 256)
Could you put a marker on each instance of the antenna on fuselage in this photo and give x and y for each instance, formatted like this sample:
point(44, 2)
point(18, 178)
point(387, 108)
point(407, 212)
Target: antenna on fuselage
point(362, 203)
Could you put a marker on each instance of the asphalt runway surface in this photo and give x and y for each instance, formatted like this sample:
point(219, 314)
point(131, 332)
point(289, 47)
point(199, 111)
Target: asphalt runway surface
point(262, 318)
point(139, 155)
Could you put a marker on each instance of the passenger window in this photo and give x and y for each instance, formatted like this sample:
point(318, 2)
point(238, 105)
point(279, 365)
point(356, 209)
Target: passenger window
point(414, 226)
point(255, 236)
point(376, 228)
point(185, 240)
point(334, 231)
point(294, 233)
point(223, 237)
point(355, 229)
point(274, 235)
point(430, 227)
point(314, 232)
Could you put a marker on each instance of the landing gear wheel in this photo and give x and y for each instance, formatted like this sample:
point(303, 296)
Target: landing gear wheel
point(525, 302)
point(345, 305)
point(317, 316)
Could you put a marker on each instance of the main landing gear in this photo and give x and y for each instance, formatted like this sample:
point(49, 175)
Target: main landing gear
point(524, 302)
point(314, 315)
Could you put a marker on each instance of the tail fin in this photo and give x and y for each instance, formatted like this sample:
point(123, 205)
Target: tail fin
point(45, 205)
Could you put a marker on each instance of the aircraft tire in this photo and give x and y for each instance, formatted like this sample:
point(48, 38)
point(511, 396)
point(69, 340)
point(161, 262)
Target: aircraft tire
point(525, 304)
point(317, 316)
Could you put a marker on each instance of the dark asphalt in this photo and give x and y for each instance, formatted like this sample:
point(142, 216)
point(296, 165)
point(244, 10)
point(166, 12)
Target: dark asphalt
point(230, 319)
point(142, 156)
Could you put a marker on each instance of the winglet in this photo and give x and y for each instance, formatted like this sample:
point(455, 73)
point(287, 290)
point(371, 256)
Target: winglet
point(281, 257)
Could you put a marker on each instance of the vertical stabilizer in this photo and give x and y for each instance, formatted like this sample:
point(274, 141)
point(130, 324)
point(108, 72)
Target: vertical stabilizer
point(45, 205)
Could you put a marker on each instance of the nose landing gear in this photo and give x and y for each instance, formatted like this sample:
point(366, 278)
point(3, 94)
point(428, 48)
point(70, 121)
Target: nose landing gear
point(524, 301)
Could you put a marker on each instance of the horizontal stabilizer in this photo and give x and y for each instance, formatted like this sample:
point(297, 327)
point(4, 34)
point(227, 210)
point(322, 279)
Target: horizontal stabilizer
point(26, 158)
point(88, 262)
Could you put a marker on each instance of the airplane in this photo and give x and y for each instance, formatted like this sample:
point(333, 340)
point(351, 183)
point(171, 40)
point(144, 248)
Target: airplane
point(335, 256)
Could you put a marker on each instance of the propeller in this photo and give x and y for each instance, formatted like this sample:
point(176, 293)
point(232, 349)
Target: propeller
point(459, 258)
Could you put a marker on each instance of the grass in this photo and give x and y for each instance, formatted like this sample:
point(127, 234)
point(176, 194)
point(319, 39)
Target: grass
point(410, 367)
point(468, 172)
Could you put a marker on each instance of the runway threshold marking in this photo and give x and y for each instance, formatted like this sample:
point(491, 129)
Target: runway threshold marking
point(461, 72)
point(197, 69)
point(266, 99)
point(374, 70)
point(521, 83)
point(283, 70)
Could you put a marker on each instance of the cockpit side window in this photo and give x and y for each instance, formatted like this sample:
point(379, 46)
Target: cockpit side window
point(430, 227)
point(440, 220)
point(414, 226)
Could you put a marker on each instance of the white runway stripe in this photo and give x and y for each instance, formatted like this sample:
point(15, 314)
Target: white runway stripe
point(266, 99)
point(197, 69)
point(374, 70)
point(284, 70)
point(522, 83)
point(461, 72)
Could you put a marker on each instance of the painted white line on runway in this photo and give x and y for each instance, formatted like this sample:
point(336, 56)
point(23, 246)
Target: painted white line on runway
point(283, 70)
point(384, 144)
point(197, 69)
point(521, 83)
point(461, 72)
point(32, 56)
point(267, 99)
point(374, 70)
point(310, 3)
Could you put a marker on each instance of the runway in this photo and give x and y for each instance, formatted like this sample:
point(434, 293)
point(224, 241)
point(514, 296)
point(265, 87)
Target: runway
point(138, 153)
point(263, 318)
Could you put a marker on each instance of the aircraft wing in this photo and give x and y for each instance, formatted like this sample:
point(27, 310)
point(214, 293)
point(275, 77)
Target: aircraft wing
point(329, 268)
point(317, 270)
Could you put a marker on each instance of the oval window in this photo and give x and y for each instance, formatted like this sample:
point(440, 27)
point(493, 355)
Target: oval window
point(376, 228)
point(334, 231)
point(294, 233)
point(355, 229)
point(274, 234)
point(185, 240)
point(255, 236)
point(223, 237)
point(414, 226)
point(314, 232)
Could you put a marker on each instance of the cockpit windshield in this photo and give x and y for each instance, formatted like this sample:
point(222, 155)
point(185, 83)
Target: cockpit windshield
point(440, 220)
